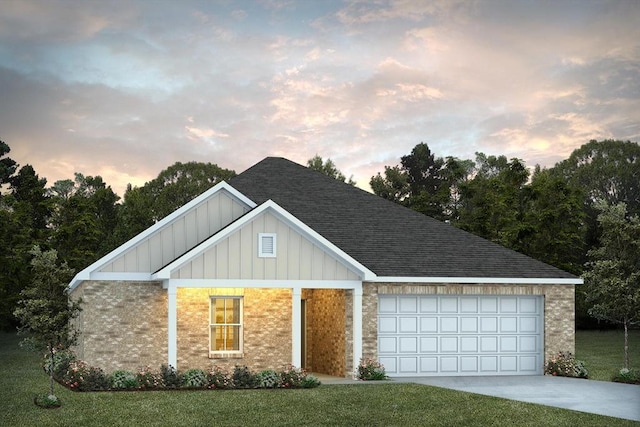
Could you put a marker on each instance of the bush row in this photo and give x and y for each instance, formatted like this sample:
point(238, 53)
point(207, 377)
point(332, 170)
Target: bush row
point(80, 376)
point(564, 364)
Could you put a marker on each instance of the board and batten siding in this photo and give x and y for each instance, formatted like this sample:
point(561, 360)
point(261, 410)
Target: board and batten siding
point(236, 257)
point(179, 236)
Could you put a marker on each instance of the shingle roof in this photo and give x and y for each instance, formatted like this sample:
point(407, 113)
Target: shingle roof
point(387, 238)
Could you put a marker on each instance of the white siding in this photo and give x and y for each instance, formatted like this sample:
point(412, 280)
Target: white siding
point(236, 257)
point(179, 236)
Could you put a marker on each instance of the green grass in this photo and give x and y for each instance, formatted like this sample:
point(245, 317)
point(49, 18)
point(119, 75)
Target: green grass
point(380, 404)
point(603, 352)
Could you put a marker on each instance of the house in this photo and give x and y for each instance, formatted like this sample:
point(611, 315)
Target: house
point(283, 265)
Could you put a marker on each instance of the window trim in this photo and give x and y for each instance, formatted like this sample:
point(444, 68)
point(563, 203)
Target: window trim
point(226, 353)
point(262, 250)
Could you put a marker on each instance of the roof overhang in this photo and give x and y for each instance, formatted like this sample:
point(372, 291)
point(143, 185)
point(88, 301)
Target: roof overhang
point(480, 280)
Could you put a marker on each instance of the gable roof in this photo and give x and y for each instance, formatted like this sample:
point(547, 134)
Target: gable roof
point(271, 207)
point(391, 240)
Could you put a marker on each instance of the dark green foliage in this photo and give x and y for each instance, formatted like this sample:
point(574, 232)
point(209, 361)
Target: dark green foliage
point(170, 376)
point(612, 278)
point(243, 377)
point(193, 378)
point(45, 311)
point(122, 380)
point(328, 168)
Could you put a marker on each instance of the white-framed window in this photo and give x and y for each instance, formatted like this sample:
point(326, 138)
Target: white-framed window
point(267, 245)
point(225, 326)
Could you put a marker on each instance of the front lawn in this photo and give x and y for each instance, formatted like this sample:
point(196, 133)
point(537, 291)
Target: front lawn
point(380, 404)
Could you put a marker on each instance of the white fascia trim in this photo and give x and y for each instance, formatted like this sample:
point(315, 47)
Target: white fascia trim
point(479, 280)
point(88, 272)
point(240, 283)
point(272, 206)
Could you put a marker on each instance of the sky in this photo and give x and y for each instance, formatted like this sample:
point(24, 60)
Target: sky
point(124, 89)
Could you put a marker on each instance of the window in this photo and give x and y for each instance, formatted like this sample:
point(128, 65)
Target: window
point(225, 325)
point(267, 245)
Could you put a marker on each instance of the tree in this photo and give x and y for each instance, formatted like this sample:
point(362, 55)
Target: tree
point(45, 310)
point(424, 182)
point(7, 165)
point(83, 219)
point(393, 186)
point(492, 204)
point(613, 272)
point(553, 222)
point(328, 168)
point(174, 187)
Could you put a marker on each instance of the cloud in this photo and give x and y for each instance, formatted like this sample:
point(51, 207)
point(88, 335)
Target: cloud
point(125, 89)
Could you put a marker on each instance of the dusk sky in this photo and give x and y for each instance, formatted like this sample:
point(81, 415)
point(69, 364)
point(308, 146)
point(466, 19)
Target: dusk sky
point(124, 89)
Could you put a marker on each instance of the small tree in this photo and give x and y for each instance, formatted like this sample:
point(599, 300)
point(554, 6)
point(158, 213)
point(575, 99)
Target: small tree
point(45, 310)
point(613, 274)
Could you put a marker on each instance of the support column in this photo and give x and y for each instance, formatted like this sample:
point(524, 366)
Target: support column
point(296, 327)
point(357, 326)
point(172, 325)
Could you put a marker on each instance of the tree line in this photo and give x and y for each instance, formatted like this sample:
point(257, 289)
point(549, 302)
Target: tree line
point(549, 214)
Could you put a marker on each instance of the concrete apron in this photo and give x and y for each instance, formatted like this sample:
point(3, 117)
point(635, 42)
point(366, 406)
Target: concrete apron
point(595, 397)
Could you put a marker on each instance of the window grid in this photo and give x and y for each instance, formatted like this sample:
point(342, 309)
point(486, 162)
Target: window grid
point(225, 325)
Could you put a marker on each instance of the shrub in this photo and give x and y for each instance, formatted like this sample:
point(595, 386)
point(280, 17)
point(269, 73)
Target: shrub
point(310, 381)
point(61, 361)
point(292, 377)
point(243, 377)
point(122, 380)
point(170, 376)
point(82, 377)
point(217, 378)
point(194, 378)
point(269, 379)
point(371, 370)
point(147, 379)
point(629, 376)
point(564, 364)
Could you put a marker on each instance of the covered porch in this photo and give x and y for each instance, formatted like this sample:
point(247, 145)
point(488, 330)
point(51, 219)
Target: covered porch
point(313, 324)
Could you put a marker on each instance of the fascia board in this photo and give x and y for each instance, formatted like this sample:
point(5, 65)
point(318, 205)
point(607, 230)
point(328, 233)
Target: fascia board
point(479, 280)
point(165, 273)
point(86, 273)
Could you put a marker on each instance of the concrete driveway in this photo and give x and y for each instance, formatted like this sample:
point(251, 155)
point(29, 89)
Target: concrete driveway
point(596, 397)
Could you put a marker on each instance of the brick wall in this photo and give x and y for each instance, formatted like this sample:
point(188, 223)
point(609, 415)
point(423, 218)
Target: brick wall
point(559, 309)
point(123, 324)
point(266, 329)
point(326, 324)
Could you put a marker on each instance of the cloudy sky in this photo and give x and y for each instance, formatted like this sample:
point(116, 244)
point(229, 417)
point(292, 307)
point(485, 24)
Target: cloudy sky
point(124, 89)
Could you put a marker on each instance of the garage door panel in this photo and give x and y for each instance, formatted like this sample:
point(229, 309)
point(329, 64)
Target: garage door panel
point(408, 325)
point(428, 305)
point(469, 344)
point(488, 324)
point(448, 344)
point(448, 324)
point(408, 344)
point(428, 324)
point(409, 365)
point(460, 335)
point(388, 345)
point(508, 324)
point(469, 305)
point(469, 324)
point(408, 304)
point(428, 344)
point(509, 344)
point(469, 364)
point(387, 325)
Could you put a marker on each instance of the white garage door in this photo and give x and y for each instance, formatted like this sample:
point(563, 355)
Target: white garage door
point(428, 335)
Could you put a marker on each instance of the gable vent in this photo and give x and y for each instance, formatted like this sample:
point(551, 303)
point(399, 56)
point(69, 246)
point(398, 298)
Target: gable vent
point(267, 245)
